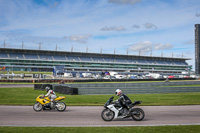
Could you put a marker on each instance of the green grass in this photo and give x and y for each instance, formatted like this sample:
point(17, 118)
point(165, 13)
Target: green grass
point(27, 96)
point(25, 72)
point(138, 129)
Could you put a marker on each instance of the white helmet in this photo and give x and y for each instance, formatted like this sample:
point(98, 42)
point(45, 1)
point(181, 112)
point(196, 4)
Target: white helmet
point(118, 92)
point(47, 88)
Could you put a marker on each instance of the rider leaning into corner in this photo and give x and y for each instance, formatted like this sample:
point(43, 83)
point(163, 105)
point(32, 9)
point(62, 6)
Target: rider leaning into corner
point(123, 100)
point(51, 94)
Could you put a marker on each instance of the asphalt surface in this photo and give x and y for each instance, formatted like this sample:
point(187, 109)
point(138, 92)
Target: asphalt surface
point(16, 85)
point(81, 116)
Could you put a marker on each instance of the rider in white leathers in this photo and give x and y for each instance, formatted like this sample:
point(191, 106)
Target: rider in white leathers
point(51, 94)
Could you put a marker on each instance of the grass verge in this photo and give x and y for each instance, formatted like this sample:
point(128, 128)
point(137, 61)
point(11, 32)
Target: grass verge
point(27, 96)
point(149, 129)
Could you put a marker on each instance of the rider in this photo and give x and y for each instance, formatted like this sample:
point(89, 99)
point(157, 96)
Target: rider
point(51, 94)
point(124, 99)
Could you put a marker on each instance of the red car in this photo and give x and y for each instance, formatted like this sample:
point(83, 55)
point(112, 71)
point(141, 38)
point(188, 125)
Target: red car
point(171, 77)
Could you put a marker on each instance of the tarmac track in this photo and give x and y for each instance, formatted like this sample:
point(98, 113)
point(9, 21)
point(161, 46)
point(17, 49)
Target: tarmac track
point(89, 116)
point(15, 85)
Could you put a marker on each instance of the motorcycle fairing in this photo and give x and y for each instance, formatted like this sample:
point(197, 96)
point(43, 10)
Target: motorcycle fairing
point(112, 107)
point(60, 98)
point(46, 100)
point(43, 100)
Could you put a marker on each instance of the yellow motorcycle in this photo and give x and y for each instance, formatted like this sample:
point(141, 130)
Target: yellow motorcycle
point(45, 103)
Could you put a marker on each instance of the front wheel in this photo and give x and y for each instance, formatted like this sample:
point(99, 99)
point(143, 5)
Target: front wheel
point(107, 115)
point(61, 106)
point(137, 114)
point(37, 106)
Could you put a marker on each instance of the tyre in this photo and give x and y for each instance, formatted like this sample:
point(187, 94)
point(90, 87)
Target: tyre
point(137, 114)
point(60, 106)
point(107, 115)
point(37, 106)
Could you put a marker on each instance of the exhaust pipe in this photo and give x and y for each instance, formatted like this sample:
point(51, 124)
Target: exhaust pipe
point(135, 113)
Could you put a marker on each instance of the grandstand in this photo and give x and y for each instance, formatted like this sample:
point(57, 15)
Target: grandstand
point(45, 60)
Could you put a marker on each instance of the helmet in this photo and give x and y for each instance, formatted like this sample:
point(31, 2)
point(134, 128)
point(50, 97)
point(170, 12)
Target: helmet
point(47, 88)
point(118, 92)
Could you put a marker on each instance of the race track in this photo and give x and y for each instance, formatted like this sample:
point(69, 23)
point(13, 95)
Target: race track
point(80, 116)
point(15, 85)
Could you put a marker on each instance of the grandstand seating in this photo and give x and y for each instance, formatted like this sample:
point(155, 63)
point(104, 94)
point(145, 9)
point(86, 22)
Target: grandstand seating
point(141, 61)
point(98, 59)
point(130, 61)
point(93, 61)
point(85, 59)
point(180, 63)
point(3, 55)
point(31, 56)
point(162, 62)
point(150, 62)
point(16, 56)
point(73, 58)
point(45, 57)
point(89, 59)
point(120, 60)
point(108, 60)
point(58, 57)
point(169, 63)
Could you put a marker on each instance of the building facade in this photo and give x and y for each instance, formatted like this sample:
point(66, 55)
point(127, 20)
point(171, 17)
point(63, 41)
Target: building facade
point(197, 49)
point(44, 60)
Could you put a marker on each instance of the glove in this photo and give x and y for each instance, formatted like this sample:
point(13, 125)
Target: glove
point(116, 100)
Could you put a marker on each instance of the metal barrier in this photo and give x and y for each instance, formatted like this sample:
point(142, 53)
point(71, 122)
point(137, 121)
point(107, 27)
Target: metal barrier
point(136, 88)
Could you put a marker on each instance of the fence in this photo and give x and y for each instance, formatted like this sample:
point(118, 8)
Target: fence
point(129, 88)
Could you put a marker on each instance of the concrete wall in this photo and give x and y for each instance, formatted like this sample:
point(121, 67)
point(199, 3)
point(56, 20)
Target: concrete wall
point(136, 88)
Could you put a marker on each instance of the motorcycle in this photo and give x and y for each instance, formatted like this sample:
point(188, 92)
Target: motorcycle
point(113, 110)
point(45, 103)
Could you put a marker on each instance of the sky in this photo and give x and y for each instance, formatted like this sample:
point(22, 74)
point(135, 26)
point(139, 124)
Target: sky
point(134, 27)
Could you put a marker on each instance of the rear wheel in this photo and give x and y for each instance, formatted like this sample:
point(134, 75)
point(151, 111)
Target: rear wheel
point(107, 115)
point(137, 114)
point(37, 106)
point(61, 106)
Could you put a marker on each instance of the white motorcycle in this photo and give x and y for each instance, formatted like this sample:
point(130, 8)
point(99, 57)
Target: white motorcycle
point(113, 110)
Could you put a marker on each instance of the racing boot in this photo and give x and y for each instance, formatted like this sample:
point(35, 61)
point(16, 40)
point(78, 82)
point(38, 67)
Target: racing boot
point(129, 109)
point(124, 114)
point(53, 104)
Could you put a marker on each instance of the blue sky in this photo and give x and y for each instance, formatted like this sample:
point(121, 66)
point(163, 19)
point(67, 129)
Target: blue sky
point(160, 26)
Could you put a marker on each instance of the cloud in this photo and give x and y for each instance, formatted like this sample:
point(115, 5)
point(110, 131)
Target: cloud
point(150, 26)
point(125, 2)
point(79, 38)
point(113, 28)
point(189, 42)
point(136, 26)
point(197, 14)
point(143, 47)
point(161, 46)
point(148, 46)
